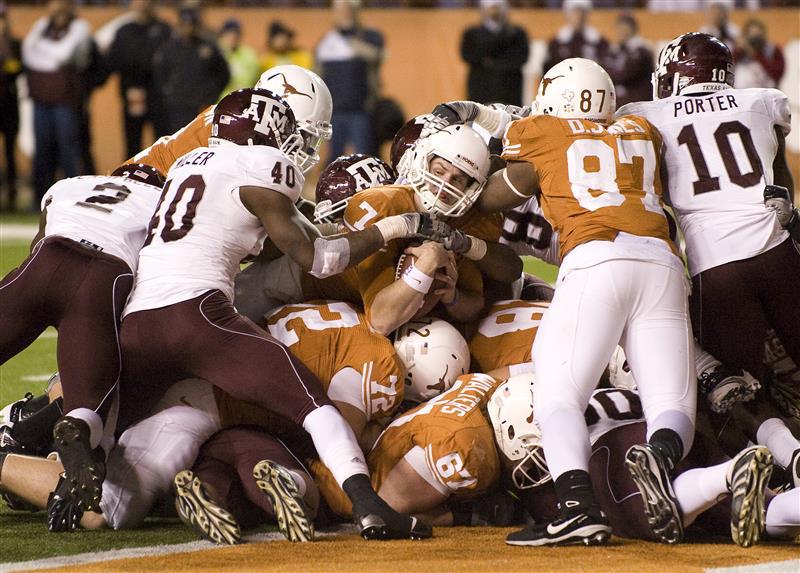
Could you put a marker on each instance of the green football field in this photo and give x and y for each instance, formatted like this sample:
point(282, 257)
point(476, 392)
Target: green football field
point(23, 536)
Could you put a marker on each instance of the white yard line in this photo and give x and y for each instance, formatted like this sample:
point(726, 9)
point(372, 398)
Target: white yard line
point(17, 232)
point(148, 551)
point(791, 566)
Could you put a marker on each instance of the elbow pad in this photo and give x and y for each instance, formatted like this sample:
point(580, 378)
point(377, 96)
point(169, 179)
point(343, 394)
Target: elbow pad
point(331, 257)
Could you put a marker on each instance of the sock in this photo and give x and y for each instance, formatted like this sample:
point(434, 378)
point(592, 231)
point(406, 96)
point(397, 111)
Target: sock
point(36, 431)
point(783, 515)
point(774, 434)
point(699, 489)
point(93, 420)
point(669, 443)
point(574, 490)
point(703, 361)
point(365, 501)
point(336, 444)
point(565, 439)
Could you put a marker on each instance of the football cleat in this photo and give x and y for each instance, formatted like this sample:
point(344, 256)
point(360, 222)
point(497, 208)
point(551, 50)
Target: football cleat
point(648, 469)
point(293, 516)
point(197, 510)
point(373, 527)
point(724, 386)
point(747, 479)
point(794, 469)
point(588, 526)
point(8, 445)
point(63, 513)
point(85, 468)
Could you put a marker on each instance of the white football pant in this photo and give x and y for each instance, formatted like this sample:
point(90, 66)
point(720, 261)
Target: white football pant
point(643, 307)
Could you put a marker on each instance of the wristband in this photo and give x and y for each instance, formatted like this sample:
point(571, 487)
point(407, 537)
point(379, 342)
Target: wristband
point(417, 280)
point(394, 227)
point(477, 249)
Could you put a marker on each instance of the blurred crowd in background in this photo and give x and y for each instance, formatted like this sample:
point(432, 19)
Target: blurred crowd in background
point(169, 73)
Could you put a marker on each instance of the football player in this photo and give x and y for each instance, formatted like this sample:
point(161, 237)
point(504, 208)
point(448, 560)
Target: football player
point(441, 451)
point(77, 278)
point(344, 177)
point(724, 149)
point(614, 418)
point(140, 467)
point(180, 321)
point(303, 90)
point(620, 281)
point(272, 280)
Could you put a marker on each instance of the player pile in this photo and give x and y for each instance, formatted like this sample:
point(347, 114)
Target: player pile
point(332, 379)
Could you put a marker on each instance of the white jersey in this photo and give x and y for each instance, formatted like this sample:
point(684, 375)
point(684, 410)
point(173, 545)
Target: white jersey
point(110, 212)
point(202, 230)
point(529, 233)
point(719, 150)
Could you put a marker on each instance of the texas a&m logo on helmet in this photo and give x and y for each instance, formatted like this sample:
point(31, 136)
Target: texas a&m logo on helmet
point(255, 117)
point(345, 177)
point(692, 63)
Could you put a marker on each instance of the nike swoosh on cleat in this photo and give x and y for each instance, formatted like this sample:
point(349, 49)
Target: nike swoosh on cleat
point(556, 530)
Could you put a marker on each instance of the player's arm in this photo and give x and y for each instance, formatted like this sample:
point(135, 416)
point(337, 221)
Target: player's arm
point(779, 197)
point(294, 235)
point(396, 303)
point(509, 187)
point(497, 261)
point(782, 175)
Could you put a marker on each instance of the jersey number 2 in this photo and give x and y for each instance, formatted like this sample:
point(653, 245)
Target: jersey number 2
point(175, 230)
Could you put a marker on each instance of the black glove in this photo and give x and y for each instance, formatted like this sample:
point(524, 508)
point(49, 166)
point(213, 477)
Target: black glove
point(452, 239)
point(455, 112)
point(63, 511)
point(778, 200)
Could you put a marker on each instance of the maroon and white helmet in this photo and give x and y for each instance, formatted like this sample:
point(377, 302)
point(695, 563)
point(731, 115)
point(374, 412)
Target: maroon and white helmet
point(140, 172)
point(254, 116)
point(345, 177)
point(692, 63)
point(412, 130)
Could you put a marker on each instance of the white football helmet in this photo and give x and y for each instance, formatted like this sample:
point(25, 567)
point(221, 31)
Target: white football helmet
point(311, 102)
point(577, 88)
point(465, 149)
point(510, 410)
point(434, 354)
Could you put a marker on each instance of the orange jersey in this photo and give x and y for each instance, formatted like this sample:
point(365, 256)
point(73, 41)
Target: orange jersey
point(361, 284)
point(327, 338)
point(595, 181)
point(166, 150)
point(453, 432)
point(505, 336)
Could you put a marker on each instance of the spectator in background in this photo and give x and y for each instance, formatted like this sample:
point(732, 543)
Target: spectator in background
point(576, 39)
point(281, 49)
point(55, 53)
point(718, 22)
point(189, 73)
point(131, 55)
point(242, 60)
point(10, 68)
point(495, 51)
point(349, 58)
point(629, 62)
point(759, 63)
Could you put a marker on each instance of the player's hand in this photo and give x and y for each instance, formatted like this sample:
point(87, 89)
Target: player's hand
point(777, 200)
point(449, 277)
point(455, 112)
point(430, 257)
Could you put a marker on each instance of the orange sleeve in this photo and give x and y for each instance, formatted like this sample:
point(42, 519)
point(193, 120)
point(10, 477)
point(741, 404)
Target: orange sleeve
point(524, 138)
point(163, 153)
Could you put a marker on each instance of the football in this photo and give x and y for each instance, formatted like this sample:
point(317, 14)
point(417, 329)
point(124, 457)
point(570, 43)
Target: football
point(431, 299)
